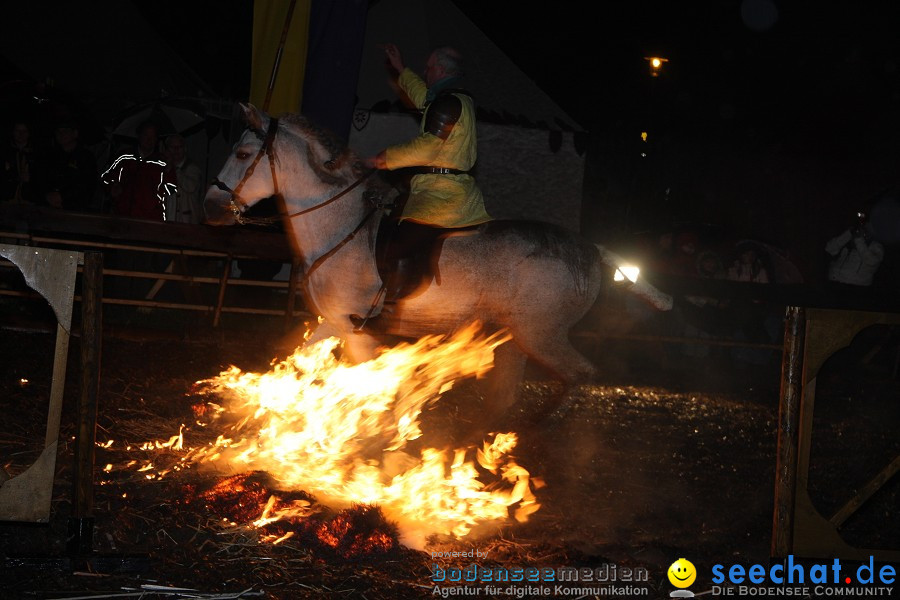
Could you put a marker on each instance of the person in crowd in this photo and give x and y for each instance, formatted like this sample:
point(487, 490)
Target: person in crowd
point(139, 182)
point(443, 193)
point(185, 205)
point(687, 249)
point(855, 255)
point(703, 315)
point(67, 174)
point(748, 266)
point(17, 159)
point(751, 317)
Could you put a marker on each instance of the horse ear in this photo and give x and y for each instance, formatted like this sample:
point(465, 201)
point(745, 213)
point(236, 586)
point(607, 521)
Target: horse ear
point(253, 116)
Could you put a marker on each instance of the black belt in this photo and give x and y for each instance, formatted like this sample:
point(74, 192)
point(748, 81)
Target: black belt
point(442, 171)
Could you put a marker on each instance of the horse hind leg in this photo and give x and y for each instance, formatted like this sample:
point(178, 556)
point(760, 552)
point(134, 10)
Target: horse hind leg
point(550, 347)
point(480, 407)
point(501, 387)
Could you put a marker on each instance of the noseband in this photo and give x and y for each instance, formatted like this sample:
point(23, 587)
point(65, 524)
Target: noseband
point(267, 149)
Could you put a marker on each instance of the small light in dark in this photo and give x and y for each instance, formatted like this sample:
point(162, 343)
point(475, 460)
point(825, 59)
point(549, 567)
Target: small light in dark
point(656, 63)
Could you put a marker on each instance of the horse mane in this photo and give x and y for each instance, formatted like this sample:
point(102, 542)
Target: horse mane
point(333, 171)
point(552, 241)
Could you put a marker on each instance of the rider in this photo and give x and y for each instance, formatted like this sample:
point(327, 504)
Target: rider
point(443, 194)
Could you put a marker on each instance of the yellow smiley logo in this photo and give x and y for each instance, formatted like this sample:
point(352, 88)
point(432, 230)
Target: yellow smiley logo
point(682, 573)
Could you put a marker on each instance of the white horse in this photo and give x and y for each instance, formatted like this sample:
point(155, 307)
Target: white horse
point(533, 279)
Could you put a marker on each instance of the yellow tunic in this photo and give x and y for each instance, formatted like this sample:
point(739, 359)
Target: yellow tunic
point(438, 199)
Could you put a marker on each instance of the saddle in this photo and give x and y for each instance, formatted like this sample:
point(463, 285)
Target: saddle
point(406, 256)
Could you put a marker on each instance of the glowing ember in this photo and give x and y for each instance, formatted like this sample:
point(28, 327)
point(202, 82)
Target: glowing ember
point(337, 430)
point(359, 530)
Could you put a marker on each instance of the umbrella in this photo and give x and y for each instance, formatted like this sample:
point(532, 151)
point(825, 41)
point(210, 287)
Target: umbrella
point(783, 270)
point(171, 115)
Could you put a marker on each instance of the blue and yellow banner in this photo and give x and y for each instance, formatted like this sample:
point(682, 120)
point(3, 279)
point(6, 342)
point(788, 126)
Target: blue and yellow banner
point(269, 19)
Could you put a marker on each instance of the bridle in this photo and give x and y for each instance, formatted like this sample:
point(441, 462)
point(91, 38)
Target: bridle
point(268, 149)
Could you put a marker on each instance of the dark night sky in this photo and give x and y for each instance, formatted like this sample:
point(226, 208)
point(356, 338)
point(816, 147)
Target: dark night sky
point(777, 120)
point(818, 65)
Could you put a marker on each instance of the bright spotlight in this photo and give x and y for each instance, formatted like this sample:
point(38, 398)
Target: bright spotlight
point(628, 272)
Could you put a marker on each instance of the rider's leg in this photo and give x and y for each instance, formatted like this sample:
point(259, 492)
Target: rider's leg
point(408, 256)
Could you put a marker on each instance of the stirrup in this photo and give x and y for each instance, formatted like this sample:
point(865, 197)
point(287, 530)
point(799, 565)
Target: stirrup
point(359, 323)
point(368, 324)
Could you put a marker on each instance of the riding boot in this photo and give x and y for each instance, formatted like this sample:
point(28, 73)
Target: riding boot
point(394, 285)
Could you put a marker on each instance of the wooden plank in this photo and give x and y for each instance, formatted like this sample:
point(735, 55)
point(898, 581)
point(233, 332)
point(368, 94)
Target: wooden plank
point(787, 438)
point(237, 241)
point(81, 523)
point(866, 492)
point(52, 273)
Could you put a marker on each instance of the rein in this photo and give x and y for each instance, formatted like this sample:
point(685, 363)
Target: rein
point(267, 149)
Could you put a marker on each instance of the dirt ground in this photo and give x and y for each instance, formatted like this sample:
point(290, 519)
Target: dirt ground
point(664, 458)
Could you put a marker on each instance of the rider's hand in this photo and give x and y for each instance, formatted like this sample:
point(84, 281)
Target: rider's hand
point(375, 162)
point(392, 52)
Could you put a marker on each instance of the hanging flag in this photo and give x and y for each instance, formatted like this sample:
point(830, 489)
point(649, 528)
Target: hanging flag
point(280, 34)
point(337, 29)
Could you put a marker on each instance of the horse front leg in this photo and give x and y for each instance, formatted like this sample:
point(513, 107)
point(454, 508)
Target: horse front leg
point(500, 388)
point(498, 392)
point(355, 348)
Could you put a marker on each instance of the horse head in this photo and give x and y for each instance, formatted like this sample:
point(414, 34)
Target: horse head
point(255, 169)
point(248, 174)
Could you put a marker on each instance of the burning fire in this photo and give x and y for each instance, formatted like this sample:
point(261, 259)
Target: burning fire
point(338, 431)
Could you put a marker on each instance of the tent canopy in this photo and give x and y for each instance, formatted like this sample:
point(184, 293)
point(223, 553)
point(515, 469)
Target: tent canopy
point(502, 92)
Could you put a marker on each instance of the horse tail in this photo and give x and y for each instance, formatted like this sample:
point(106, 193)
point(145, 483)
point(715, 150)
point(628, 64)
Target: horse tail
point(657, 298)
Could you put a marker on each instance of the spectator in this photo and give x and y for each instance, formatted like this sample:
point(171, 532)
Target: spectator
point(67, 173)
point(751, 318)
point(703, 314)
point(139, 182)
point(185, 205)
point(855, 259)
point(17, 159)
point(682, 257)
point(856, 256)
point(748, 266)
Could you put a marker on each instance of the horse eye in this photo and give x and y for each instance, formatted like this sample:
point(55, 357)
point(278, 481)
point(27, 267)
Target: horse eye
point(241, 155)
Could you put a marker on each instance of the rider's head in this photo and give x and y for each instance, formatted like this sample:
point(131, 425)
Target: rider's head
point(443, 62)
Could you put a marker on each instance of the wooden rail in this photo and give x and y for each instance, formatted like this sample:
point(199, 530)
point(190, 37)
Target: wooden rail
point(198, 259)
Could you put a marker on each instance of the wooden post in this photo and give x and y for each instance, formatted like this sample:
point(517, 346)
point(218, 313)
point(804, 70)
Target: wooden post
point(284, 34)
point(81, 522)
point(223, 283)
point(292, 294)
point(788, 432)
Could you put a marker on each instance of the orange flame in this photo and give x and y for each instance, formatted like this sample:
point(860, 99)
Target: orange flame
point(313, 421)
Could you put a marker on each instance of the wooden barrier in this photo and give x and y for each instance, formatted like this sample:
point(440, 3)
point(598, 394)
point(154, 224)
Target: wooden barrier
point(26, 497)
point(811, 337)
point(165, 254)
